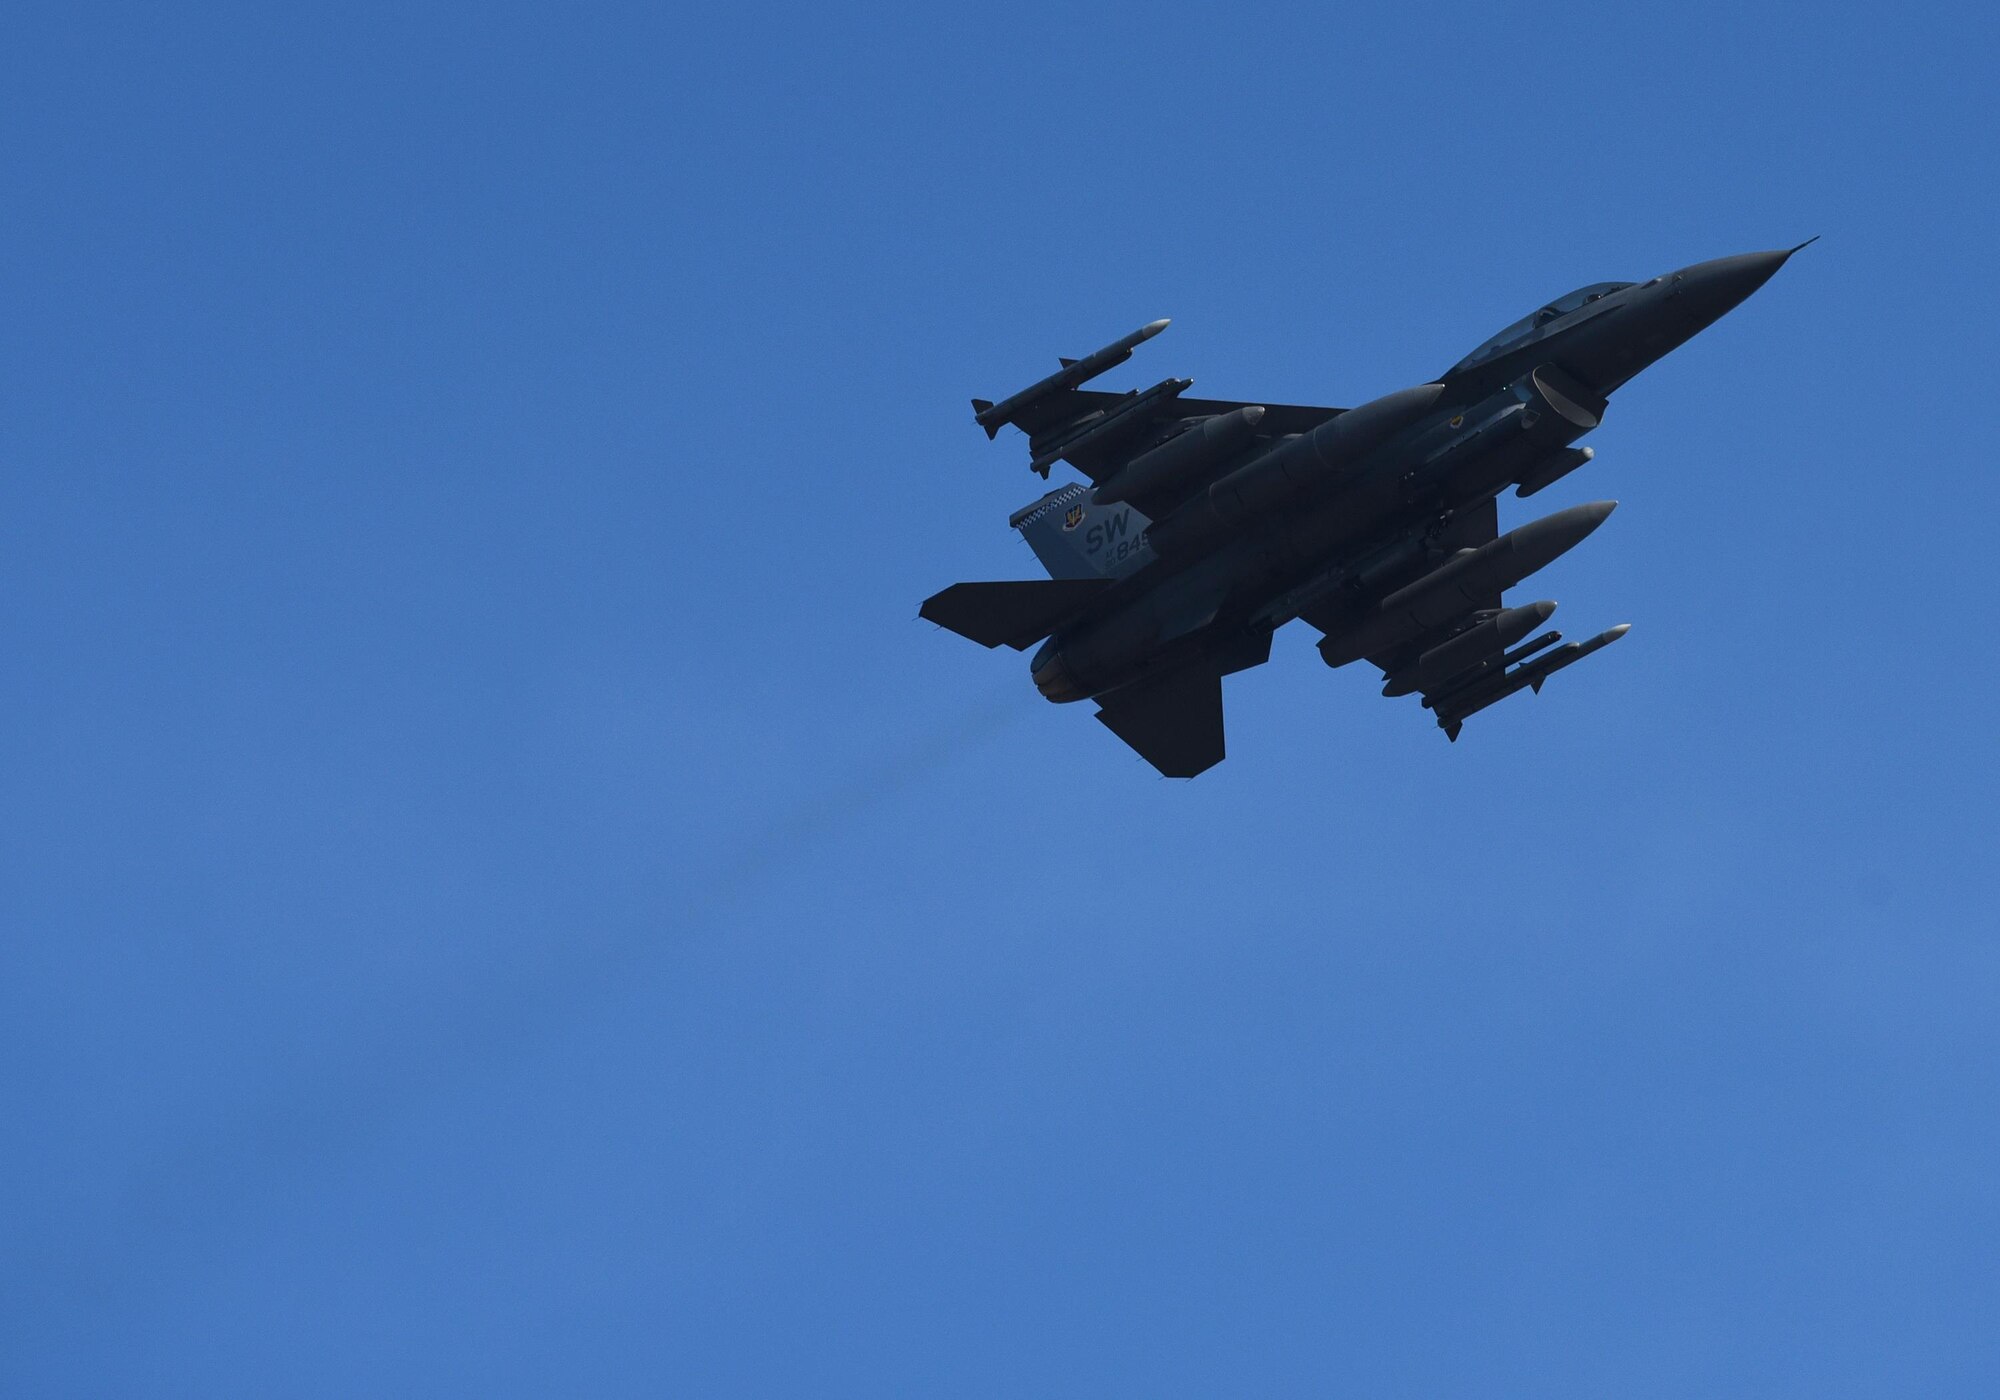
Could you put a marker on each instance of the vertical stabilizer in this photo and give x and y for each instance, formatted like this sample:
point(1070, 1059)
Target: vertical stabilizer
point(1075, 537)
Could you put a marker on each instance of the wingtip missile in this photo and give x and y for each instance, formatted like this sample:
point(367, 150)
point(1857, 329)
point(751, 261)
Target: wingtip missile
point(1454, 708)
point(1575, 652)
point(1073, 372)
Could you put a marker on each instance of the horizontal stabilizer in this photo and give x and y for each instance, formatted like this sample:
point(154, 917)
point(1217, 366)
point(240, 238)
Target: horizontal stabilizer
point(1175, 722)
point(1015, 613)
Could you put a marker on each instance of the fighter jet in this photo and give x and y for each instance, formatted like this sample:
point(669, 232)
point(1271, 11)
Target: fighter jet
point(1207, 524)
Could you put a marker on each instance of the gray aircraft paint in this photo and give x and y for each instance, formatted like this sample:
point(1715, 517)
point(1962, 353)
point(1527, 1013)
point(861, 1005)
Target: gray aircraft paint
point(1379, 531)
point(1075, 537)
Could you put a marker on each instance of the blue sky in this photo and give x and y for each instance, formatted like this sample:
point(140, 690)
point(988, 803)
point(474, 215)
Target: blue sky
point(501, 895)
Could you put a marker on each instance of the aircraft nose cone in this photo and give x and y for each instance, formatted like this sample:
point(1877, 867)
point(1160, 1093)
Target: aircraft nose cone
point(1713, 289)
point(1746, 272)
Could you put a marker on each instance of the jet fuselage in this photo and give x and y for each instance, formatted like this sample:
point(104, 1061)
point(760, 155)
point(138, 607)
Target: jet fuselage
point(1342, 541)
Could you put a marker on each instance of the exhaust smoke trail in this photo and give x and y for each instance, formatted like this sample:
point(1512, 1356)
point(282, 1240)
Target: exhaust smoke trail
point(870, 788)
point(305, 1125)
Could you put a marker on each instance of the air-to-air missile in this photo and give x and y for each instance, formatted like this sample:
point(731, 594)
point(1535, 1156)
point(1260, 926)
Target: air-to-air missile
point(1454, 706)
point(1209, 524)
point(1528, 649)
point(1107, 423)
point(994, 416)
point(1473, 647)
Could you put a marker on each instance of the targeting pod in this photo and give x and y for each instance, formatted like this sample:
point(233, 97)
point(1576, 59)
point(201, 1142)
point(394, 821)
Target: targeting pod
point(1552, 469)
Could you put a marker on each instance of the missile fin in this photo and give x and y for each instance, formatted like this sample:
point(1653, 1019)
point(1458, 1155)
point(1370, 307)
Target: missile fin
point(1072, 373)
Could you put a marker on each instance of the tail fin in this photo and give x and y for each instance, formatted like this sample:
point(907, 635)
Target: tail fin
point(1016, 614)
point(1075, 537)
point(1174, 721)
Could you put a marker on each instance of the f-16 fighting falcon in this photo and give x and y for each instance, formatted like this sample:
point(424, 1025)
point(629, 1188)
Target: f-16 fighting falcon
point(1208, 524)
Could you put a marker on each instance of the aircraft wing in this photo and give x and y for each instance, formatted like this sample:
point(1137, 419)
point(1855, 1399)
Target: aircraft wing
point(1049, 418)
point(1100, 434)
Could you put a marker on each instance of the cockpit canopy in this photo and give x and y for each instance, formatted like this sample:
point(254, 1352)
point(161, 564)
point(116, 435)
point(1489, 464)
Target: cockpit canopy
point(1534, 327)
